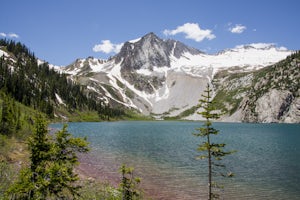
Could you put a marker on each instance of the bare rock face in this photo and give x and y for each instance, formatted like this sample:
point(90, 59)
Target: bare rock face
point(144, 83)
point(151, 51)
point(293, 115)
point(273, 106)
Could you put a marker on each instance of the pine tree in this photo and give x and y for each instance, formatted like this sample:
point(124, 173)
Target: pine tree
point(52, 161)
point(31, 182)
point(9, 116)
point(129, 184)
point(213, 152)
point(64, 159)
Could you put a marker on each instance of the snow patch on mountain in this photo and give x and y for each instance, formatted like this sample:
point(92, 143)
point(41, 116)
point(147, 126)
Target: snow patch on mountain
point(3, 53)
point(156, 71)
point(59, 99)
point(114, 75)
point(135, 40)
point(162, 93)
point(7, 57)
point(51, 66)
point(247, 58)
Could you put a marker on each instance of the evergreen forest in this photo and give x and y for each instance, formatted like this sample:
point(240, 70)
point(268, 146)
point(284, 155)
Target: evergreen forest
point(35, 84)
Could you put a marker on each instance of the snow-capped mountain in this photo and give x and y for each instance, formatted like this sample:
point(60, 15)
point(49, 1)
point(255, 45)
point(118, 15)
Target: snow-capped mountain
point(165, 77)
point(151, 51)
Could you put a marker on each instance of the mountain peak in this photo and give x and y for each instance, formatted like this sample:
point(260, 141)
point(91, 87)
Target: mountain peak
point(144, 53)
point(145, 37)
point(151, 39)
point(151, 51)
point(150, 35)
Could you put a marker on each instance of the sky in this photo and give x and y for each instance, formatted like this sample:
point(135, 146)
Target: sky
point(61, 31)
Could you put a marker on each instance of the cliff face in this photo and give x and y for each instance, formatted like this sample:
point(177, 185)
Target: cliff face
point(293, 114)
point(271, 94)
point(273, 106)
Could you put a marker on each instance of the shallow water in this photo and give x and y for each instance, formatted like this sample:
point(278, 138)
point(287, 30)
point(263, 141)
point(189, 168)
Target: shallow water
point(266, 164)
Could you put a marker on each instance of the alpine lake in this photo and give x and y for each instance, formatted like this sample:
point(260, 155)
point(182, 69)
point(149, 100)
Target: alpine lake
point(163, 154)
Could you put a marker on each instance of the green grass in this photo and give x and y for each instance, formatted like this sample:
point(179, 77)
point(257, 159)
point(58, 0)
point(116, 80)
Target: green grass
point(132, 115)
point(120, 84)
point(98, 190)
point(94, 189)
point(64, 114)
point(84, 116)
point(129, 93)
point(111, 91)
point(13, 156)
point(227, 97)
point(183, 114)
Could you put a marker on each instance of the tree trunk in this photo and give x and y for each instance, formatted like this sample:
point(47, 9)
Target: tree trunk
point(209, 167)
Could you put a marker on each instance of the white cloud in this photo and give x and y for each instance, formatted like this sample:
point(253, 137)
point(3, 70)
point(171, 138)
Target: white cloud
point(107, 47)
point(9, 35)
point(238, 28)
point(13, 35)
point(192, 31)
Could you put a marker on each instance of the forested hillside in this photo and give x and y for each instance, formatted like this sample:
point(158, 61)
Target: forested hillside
point(34, 84)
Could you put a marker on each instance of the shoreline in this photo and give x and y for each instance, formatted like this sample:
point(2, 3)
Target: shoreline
point(89, 171)
point(107, 172)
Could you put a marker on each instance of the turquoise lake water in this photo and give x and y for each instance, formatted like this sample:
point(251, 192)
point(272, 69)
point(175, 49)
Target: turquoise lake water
point(266, 164)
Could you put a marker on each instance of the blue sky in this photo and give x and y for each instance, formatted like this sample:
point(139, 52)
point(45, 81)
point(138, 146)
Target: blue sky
point(60, 31)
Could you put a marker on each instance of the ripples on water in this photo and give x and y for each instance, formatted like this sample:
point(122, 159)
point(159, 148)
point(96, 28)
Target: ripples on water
point(163, 154)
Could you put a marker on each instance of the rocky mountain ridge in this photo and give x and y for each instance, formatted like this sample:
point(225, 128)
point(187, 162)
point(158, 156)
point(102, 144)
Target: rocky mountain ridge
point(165, 78)
point(151, 51)
point(270, 94)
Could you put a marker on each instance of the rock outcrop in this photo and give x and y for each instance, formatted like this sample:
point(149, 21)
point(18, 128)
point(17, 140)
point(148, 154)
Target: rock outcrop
point(273, 106)
point(269, 95)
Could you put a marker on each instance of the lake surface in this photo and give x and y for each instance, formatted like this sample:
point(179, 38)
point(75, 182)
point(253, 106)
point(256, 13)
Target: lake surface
point(266, 164)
